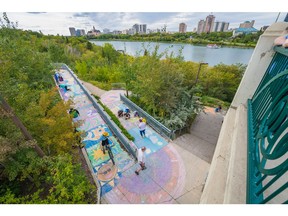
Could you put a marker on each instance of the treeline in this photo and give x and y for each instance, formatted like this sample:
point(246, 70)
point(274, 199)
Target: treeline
point(27, 86)
point(220, 38)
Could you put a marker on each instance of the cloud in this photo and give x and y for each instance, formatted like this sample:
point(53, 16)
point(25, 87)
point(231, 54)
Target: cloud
point(58, 23)
point(36, 12)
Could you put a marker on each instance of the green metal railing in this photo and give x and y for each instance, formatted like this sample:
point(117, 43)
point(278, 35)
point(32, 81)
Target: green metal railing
point(267, 177)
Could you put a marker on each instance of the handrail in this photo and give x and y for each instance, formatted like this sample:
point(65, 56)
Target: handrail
point(159, 127)
point(268, 136)
point(114, 128)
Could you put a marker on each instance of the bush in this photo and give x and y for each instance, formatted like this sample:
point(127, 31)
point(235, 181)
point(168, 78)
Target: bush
point(115, 119)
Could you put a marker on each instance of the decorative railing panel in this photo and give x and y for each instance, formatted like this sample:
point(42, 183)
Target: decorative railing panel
point(267, 177)
point(159, 127)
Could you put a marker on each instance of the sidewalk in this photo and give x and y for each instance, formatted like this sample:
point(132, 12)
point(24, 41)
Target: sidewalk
point(173, 175)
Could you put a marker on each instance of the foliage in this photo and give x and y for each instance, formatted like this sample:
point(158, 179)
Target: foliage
point(214, 102)
point(115, 119)
point(28, 87)
point(222, 81)
point(65, 182)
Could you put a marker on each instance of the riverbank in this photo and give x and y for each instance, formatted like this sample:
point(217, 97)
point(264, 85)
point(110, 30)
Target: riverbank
point(222, 44)
point(189, 52)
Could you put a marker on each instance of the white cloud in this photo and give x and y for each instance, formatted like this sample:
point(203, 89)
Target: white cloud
point(58, 23)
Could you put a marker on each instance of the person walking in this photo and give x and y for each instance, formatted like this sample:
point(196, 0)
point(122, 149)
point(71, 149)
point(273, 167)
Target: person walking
point(141, 159)
point(142, 127)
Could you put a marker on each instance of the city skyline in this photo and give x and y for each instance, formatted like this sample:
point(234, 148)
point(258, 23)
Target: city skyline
point(59, 23)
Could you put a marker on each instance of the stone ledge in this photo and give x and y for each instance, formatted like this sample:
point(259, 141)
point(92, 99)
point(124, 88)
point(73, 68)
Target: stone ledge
point(215, 186)
point(235, 192)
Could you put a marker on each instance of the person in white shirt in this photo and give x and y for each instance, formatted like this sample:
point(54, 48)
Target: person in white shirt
point(141, 159)
point(142, 127)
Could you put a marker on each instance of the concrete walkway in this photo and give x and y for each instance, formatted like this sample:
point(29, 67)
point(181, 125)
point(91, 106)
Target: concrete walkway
point(176, 172)
point(202, 138)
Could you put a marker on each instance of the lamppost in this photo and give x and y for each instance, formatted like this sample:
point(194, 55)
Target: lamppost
point(198, 73)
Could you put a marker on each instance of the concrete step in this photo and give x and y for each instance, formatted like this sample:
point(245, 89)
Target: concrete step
point(215, 185)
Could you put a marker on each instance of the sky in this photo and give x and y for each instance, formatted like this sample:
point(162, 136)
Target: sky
point(59, 23)
point(56, 16)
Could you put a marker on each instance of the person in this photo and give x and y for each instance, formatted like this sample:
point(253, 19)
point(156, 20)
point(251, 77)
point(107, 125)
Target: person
point(56, 76)
point(127, 110)
point(74, 112)
point(120, 113)
point(60, 78)
point(142, 127)
point(105, 141)
point(218, 109)
point(106, 144)
point(64, 87)
point(141, 159)
point(136, 114)
point(127, 113)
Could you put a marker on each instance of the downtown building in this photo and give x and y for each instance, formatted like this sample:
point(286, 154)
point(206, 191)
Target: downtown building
point(207, 25)
point(72, 31)
point(220, 26)
point(78, 32)
point(139, 28)
point(182, 28)
point(247, 24)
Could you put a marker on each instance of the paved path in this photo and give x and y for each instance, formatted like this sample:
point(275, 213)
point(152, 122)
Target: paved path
point(173, 175)
point(93, 89)
point(93, 126)
point(203, 136)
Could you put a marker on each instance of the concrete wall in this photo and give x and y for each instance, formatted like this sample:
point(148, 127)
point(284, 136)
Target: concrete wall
point(258, 63)
point(226, 181)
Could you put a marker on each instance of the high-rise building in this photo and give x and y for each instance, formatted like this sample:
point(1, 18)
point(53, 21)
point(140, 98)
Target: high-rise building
point(106, 31)
point(182, 28)
point(209, 23)
point(139, 28)
point(217, 27)
point(142, 28)
point(220, 26)
point(80, 32)
point(247, 24)
point(286, 18)
point(200, 27)
point(136, 28)
point(226, 26)
point(72, 31)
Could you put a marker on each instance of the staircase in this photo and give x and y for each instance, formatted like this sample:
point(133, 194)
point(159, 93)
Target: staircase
point(226, 181)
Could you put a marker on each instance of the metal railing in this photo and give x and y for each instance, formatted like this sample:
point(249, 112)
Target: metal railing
point(114, 128)
point(267, 177)
point(156, 125)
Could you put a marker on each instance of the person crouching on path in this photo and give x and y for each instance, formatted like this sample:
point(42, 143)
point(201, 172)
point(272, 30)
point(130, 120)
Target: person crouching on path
point(142, 127)
point(141, 159)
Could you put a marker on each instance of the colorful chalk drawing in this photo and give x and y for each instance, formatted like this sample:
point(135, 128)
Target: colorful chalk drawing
point(165, 173)
point(164, 177)
point(93, 126)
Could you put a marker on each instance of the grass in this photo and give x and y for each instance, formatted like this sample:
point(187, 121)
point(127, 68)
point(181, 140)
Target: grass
point(101, 85)
point(214, 102)
point(115, 119)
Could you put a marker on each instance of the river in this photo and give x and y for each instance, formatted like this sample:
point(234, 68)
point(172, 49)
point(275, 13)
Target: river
point(226, 55)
